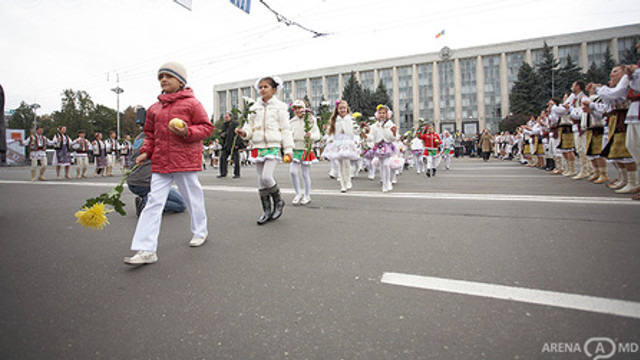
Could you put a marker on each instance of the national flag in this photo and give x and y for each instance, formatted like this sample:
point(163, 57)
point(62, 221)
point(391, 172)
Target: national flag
point(439, 34)
point(245, 5)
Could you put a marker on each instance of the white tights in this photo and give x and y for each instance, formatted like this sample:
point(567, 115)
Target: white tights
point(265, 173)
point(294, 170)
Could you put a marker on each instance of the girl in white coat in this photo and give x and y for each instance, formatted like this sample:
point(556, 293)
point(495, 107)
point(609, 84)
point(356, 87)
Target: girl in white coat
point(305, 132)
point(268, 129)
point(341, 145)
point(384, 148)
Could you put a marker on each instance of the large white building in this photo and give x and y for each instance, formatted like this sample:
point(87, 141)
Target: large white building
point(466, 89)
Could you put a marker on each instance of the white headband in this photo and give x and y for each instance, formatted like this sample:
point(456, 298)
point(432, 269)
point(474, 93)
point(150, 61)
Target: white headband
point(279, 82)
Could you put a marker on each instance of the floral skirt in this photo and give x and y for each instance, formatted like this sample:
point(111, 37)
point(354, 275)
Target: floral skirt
point(260, 155)
point(63, 156)
point(384, 149)
point(301, 156)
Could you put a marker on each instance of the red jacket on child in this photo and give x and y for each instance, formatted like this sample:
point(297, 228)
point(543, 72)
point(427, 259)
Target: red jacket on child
point(431, 140)
point(169, 152)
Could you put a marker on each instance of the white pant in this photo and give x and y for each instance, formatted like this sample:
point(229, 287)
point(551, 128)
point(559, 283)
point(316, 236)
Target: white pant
point(148, 228)
point(111, 160)
point(633, 141)
point(82, 163)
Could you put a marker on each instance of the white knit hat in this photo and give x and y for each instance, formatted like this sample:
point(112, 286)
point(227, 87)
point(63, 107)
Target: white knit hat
point(174, 69)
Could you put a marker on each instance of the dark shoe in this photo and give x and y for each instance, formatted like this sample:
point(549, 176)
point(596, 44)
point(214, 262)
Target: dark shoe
point(434, 172)
point(236, 176)
point(221, 176)
point(278, 203)
point(139, 205)
point(265, 199)
point(428, 172)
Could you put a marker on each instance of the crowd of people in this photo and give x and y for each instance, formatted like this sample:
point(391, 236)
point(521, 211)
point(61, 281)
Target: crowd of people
point(594, 125)
point(598, 123)
point(105, 153)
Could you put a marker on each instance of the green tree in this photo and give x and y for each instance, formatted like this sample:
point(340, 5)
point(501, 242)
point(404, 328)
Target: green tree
point(128, 124)
point(630, 55)
point(22, 118)
point(608, 64)
point(75, 112)
point(524, 98)
point(547, 73)
point(103, 120)
point(511, 122)
point(352, 93)
point(568, 74)
point(381, 96)
point(594, 74)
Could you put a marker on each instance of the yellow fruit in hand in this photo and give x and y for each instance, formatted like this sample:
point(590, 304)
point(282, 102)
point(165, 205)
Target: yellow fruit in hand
point(287, 159)
point(177, 123)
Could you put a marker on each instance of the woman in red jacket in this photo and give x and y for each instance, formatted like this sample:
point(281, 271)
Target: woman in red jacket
point(175, 150)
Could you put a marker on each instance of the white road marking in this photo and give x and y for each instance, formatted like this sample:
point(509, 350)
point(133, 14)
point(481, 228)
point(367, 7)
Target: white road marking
point(531, 296)
point(376, 194)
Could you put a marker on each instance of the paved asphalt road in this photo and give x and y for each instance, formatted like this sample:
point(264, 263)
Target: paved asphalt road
point(315, 284)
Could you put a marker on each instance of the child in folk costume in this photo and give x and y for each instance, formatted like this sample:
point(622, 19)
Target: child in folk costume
point(417, 151)
point(62, 144)
point(174, 129)
point(269, 130)
point(385, 137)
point(305, 132)
point(448, 149)
point(81, 146)
point(432, 143)
point(341, 144)
point(113, 146)
point(100, 151)
point(126, 148)
point(37, 144)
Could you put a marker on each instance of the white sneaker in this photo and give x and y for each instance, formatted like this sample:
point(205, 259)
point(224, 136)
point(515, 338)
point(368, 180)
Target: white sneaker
point(305, 200)
point(198, 240)
point(296, 199)
point(141, 257)
point(343, 190)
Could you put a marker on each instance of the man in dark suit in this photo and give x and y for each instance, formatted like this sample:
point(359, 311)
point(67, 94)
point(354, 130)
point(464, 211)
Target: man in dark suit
point(228, 147)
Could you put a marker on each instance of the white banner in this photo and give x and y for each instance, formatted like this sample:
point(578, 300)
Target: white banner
point(15, 151)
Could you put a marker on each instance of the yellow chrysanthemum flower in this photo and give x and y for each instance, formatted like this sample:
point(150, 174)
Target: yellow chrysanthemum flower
point(94, 217)
point(356, 115)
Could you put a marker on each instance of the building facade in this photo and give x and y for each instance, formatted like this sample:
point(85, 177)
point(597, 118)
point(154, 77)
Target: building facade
point(457, 89)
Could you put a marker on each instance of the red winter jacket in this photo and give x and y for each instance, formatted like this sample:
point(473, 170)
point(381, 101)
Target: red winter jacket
point(170, 152)
point(431, 140)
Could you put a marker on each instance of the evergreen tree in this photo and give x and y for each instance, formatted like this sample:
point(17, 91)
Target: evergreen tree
point(607, 65)
point(595, 75)
point(381, 96)
point(367, 104)
point(352, 93)
point(568, 74)
point(547, 73)
point(524, 98)
point(630, 55)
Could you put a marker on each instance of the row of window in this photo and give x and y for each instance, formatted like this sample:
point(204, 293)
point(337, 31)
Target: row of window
point(468, 77)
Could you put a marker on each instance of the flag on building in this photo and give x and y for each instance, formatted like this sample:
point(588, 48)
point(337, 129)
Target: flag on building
point(245, 5)
point(439, 34)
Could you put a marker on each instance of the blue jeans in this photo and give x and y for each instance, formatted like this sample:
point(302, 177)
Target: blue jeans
point(174, 204)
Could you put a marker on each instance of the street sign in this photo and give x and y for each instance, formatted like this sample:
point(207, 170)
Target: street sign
point(245, 5)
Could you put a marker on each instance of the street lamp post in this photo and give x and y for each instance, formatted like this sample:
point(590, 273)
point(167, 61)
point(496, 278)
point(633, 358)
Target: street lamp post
point(35, 107)
point(118, 90)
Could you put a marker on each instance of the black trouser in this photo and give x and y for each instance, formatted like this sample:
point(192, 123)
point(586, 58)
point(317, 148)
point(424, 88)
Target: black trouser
point(224, 156)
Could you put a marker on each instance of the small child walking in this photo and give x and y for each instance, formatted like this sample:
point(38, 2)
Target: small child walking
point(305, 132)
point(269, 131)
point(175, 152)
